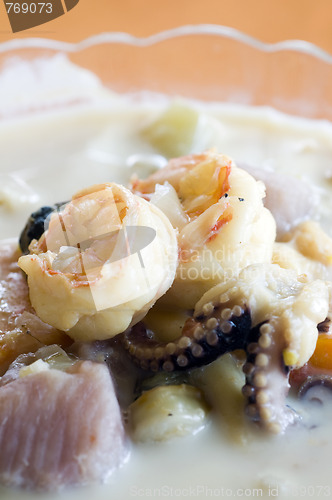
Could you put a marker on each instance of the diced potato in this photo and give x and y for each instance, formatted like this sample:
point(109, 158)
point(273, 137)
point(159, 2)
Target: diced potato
point(221, 383)
point(173, 133)
point(313, 242)
point(166, 412)
point(166, 323)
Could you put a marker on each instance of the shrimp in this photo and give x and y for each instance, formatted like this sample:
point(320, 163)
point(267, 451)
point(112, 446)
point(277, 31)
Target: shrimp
point(104, 260)
point(217, 209)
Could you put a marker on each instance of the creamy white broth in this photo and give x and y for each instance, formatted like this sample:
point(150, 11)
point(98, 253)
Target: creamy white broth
point(48, 157)
point(56, 154)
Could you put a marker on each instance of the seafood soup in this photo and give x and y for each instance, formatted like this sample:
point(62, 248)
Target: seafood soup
point(184, 248)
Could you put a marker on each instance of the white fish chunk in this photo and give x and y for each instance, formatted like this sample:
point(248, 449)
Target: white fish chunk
point(290, 200)
point(60, 428)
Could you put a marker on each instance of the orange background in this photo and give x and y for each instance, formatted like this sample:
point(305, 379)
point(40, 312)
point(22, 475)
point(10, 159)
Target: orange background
point(268, 20)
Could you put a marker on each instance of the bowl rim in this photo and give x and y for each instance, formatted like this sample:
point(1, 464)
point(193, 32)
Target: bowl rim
point(295, 45)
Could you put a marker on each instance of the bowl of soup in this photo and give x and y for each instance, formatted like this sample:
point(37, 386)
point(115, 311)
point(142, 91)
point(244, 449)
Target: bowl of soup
point(246, 127)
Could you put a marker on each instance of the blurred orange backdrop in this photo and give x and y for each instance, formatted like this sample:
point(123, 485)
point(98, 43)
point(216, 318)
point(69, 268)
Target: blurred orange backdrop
point(268, 20)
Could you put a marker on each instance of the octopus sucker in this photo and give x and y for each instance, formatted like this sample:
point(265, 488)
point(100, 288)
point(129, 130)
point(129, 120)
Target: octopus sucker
point(265, 406)
point(188, 351)
point(271, 314)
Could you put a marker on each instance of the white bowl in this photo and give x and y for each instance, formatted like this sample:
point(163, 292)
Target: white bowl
point(207, 62)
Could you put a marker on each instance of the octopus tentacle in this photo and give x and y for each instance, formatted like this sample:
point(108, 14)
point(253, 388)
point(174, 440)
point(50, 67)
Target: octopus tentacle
point(203, 340)
point(206, 338)
point(270, 313)
point(267, 375)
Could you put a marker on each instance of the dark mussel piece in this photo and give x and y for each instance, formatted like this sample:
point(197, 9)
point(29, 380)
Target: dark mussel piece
point(35, 226)
point(324, 326)
point(316, 389)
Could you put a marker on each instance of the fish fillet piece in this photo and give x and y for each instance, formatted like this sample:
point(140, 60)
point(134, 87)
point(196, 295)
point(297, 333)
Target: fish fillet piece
point(289, 199)
point(60, 428)
point(21, 331)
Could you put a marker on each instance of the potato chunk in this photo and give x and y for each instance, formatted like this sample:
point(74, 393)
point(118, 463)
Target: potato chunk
point(167, 411)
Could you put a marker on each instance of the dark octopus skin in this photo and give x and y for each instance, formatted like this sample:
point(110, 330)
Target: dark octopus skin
point(216, 332)
point(203, 340)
